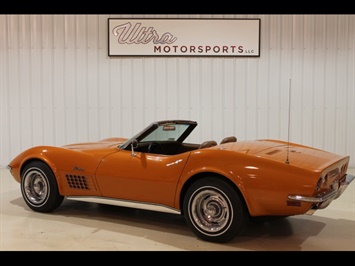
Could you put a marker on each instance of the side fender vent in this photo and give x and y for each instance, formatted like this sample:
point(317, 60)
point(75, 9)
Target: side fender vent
point(80, 182)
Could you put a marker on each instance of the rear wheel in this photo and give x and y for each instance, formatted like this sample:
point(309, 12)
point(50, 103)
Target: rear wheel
point(39, 187)
point(214, 210)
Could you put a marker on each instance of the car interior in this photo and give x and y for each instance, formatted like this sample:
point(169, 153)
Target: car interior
point(175, 147)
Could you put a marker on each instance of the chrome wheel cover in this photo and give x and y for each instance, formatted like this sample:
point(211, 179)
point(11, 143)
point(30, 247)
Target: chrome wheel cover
point(211, 211)
point(35, 187)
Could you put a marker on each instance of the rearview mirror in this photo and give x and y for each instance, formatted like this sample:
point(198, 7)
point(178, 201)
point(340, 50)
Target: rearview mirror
point(169, 128)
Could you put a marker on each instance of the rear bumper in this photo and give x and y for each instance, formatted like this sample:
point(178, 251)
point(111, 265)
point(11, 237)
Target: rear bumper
point(322, 200)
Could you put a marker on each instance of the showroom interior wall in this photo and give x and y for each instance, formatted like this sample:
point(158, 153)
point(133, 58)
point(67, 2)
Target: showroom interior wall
point(58, 85)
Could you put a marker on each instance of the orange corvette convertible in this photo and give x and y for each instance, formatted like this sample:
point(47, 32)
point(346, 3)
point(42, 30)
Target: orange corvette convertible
point(217, 187)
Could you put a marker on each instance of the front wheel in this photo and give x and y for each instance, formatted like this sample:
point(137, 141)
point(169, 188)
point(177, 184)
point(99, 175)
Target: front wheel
point(214, 210)
point(39, 187)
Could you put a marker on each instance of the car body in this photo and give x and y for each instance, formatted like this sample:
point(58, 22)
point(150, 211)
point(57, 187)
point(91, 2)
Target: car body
point(217, 187)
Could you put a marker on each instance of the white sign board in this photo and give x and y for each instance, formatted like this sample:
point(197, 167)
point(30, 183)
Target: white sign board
point(184, 37)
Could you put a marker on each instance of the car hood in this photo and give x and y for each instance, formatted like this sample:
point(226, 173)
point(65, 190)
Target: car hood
point(281, 151)
point(102, 144)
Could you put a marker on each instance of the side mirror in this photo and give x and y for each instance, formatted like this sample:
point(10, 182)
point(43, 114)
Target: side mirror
point(134, 145)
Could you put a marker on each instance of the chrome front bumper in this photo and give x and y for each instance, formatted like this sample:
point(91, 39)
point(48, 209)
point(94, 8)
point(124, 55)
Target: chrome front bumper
point(322, 200)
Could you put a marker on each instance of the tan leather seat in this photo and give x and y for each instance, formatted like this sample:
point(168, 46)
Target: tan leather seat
point(229, 139)
point(208, 143)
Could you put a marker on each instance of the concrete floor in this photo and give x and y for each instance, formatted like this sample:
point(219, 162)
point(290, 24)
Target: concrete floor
point(80, 226)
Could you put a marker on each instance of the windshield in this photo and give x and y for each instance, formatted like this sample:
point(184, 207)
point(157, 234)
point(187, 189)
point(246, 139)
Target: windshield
point(167, 130)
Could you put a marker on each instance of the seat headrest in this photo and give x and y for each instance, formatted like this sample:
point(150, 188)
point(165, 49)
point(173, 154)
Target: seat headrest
point(229, 139)
point(208, 143)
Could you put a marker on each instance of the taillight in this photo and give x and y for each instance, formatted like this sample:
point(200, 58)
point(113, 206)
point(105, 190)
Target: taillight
point(343, 169)
point(321, 182)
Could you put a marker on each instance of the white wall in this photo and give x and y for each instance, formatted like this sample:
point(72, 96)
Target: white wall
point(59, 86)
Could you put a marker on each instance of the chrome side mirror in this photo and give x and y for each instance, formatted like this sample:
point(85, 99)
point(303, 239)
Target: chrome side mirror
point(134, 145)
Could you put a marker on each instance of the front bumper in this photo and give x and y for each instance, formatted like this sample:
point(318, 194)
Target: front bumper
point(322, 200)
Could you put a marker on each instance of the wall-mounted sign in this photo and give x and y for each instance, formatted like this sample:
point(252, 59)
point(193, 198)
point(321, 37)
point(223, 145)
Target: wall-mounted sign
point(184, 37)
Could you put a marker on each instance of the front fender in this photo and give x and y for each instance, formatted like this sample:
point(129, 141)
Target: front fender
point(61, 161)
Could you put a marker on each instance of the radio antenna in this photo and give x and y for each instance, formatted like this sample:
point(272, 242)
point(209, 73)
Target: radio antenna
point(289, 119)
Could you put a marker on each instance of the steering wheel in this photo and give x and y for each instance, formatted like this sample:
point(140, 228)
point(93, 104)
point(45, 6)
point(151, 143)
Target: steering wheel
point(156, 147)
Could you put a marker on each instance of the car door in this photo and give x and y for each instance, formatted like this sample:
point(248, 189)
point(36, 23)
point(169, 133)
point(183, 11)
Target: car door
point(144, 177)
